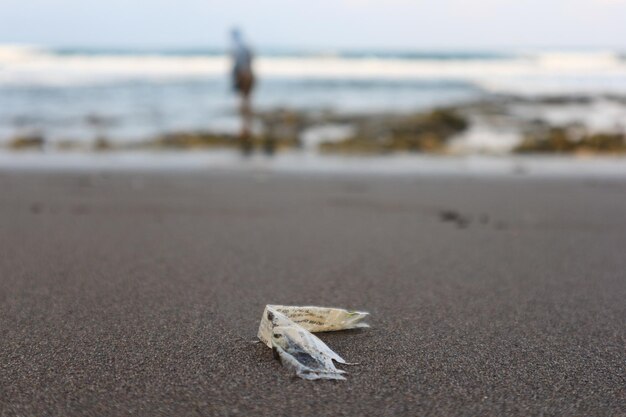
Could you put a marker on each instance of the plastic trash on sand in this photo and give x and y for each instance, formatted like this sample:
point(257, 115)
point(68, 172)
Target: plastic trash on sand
point(288, 331)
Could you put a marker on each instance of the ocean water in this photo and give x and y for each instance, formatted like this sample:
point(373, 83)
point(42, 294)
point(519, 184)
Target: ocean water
point(133, 94)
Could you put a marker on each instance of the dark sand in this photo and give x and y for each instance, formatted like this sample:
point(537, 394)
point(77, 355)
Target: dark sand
point(140, 293)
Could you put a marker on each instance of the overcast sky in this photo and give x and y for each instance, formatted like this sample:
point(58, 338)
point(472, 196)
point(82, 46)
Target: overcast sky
point(414, 24)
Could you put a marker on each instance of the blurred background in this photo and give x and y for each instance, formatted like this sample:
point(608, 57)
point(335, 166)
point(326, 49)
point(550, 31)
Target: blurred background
point(333, 77)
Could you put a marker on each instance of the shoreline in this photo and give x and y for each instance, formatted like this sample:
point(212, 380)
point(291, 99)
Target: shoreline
point(311, 163)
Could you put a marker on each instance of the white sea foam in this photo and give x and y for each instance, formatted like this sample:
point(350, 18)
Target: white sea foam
point(521, 73)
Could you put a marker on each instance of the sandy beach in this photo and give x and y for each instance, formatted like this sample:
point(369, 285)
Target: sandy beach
point(140, 292)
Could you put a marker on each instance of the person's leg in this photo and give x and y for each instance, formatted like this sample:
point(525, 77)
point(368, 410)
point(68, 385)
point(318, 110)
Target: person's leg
point(245, 112)
point(246, 115)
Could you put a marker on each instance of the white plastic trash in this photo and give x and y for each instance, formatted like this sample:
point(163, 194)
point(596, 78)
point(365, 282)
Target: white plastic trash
point(287, 330)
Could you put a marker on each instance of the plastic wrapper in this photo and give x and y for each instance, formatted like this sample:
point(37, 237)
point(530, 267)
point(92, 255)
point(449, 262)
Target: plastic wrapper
point(288, 331)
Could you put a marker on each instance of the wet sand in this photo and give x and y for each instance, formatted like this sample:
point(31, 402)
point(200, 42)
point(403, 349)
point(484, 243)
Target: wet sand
point(140, 292)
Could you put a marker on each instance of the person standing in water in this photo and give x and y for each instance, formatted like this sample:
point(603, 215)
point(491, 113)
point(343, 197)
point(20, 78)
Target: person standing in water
point(243, 84)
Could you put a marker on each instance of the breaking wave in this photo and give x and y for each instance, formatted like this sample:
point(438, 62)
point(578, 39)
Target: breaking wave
point(560, 72)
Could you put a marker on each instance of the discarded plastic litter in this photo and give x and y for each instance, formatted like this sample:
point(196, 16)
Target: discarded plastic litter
point(287, 330)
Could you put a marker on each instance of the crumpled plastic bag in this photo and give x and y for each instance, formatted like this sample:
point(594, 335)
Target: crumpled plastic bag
point(287, 330)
